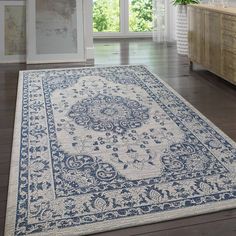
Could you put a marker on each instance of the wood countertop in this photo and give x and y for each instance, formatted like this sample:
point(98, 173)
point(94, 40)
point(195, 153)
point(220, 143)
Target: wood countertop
point(220, 9)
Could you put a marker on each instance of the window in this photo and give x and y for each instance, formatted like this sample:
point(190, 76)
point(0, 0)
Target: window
point(106, 15)
point(140, 15)
point(122, 17)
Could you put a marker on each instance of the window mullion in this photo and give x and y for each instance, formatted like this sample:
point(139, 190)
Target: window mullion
point(124, 17)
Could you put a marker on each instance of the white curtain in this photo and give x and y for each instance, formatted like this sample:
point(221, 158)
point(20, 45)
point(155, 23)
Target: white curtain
point(163, 21)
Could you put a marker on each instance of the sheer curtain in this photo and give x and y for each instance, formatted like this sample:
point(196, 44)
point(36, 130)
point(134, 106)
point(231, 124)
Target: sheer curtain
point(163, 21)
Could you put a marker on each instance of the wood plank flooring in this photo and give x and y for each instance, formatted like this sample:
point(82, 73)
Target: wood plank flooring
point(211, 95)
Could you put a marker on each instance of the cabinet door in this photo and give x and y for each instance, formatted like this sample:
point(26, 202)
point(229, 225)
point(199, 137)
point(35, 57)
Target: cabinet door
point(196, 34)
point(229, 47)
point(213, 48)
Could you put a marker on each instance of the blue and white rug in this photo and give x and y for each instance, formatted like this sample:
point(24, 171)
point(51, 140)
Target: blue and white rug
point(98, 149)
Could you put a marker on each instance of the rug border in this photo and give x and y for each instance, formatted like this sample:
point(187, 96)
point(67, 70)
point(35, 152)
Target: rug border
point(113, 224)
point(14, 166)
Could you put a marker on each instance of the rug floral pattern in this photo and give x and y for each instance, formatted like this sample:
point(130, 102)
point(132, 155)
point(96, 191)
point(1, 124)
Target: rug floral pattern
point(104, 144)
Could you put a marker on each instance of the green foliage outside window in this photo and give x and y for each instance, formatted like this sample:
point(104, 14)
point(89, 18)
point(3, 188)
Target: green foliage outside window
point(185, 2)
point(140, 15)
point(106, 15)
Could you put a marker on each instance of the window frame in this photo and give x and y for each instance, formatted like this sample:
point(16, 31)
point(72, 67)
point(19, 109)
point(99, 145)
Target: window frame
point(124, 26)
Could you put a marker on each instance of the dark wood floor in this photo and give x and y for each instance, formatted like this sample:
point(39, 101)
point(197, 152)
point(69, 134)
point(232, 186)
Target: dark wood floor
point(212, 96)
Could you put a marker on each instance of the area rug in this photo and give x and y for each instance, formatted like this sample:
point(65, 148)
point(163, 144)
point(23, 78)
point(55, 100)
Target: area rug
point(98, 149)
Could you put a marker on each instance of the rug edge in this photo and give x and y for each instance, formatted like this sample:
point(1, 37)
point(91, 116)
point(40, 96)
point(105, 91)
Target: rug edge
point(14, 173)
point(153, 218)
point(82, 67)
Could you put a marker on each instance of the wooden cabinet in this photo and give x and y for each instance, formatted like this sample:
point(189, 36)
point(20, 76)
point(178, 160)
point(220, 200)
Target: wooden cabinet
point(196, 34)
point(212, 39)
